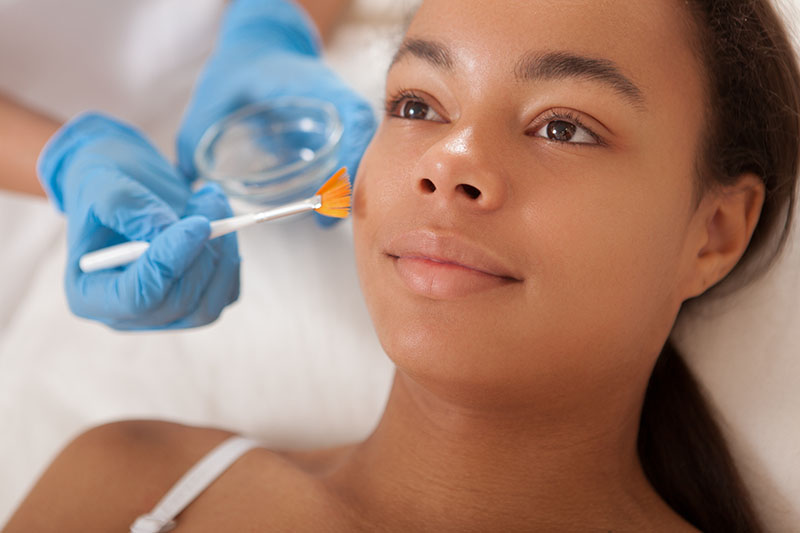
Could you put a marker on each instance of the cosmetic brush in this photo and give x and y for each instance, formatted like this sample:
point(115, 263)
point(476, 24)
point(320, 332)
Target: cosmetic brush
point(332, 200)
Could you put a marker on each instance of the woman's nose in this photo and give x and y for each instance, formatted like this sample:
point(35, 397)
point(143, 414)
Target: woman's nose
point(462, 168)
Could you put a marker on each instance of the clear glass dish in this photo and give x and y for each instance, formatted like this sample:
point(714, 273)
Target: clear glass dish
point(273, 152)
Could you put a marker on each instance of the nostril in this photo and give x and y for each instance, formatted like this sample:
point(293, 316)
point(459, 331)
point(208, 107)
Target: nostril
point(427, 185)
point(472, 192)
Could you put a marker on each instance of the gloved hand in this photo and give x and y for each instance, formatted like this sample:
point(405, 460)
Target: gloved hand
point(114, 186)
point(268, 49)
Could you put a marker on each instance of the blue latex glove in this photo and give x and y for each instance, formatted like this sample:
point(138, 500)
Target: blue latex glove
point(114, 186)
point(268, 49)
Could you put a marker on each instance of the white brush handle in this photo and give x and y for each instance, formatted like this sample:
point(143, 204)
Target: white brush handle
point(229, 225)
point(113, 256)
point(128, 252)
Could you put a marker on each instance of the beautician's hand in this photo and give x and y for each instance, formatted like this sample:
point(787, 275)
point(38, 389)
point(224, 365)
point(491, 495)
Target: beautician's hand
point(114, 186)
point(268, 49)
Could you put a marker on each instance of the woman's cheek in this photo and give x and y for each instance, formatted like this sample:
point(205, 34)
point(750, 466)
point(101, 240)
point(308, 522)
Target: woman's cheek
point(598, 239)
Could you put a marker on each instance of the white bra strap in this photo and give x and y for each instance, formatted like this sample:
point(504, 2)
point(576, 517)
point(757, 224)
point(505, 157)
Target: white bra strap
point(193, 482)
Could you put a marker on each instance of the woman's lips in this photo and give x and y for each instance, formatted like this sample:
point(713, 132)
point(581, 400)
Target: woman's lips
point(446, 266)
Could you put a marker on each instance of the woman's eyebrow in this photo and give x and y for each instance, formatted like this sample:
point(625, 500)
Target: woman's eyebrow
point(434, 53)
point(554, 65)
point(536, 66)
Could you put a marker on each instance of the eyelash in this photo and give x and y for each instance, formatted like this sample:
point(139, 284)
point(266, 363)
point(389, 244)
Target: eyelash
point(566, 116)
point(393, 103)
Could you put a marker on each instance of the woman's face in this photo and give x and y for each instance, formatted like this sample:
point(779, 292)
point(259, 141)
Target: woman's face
point(523, 211)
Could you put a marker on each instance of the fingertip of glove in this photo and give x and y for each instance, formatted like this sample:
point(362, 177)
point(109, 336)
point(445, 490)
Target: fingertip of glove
point(358, 133)
point(209, 201)
point(185, 236)
point(178, 246)
point(195, 228)
point(208, 189)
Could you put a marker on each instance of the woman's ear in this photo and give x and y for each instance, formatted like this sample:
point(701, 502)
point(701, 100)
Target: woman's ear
point(722, 227)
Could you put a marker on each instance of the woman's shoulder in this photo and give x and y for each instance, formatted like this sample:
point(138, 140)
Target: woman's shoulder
point(169, 441)
point(112, 473)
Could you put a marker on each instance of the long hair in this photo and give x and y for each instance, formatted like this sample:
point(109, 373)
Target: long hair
point(753, 105)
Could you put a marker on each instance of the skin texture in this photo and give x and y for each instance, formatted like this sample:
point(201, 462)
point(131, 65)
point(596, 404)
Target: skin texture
point(517, 396)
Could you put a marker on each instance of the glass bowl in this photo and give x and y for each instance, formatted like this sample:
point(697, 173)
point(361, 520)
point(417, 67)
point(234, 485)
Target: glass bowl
point(273, 152)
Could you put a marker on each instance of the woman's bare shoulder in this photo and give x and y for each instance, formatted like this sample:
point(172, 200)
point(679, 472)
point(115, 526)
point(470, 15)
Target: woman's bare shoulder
point(109, 475)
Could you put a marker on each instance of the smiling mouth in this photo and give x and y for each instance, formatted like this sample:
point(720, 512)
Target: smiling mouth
point(441, 279)
point(443, 265)
point(449, 263)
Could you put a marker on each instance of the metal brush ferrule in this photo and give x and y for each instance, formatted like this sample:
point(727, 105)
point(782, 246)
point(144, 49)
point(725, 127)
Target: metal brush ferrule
point(301, 206)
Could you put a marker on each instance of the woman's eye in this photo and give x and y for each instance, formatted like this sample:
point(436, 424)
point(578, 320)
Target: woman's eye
point(566, 132)
point(416, 110)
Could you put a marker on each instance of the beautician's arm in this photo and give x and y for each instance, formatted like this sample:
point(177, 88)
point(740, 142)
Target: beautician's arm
point(325, 14)
point(23, 133)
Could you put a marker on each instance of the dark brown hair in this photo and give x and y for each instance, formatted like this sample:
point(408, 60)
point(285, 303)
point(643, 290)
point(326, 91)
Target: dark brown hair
point(753, 105)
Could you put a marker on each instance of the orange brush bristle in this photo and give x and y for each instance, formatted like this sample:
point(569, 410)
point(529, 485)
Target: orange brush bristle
point(335, 195)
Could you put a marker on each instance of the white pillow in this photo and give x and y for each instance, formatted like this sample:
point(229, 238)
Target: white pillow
point(745, 349)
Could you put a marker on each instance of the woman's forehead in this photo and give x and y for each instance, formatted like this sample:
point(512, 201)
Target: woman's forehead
point(636, 45)
point(581, 21)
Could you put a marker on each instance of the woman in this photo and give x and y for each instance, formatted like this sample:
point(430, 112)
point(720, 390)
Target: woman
point(551, 183)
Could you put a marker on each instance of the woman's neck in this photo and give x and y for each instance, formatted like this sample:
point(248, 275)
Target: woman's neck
point(450, 466)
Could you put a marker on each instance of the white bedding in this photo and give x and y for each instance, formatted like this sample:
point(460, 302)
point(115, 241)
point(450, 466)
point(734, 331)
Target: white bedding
point(295, 362)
